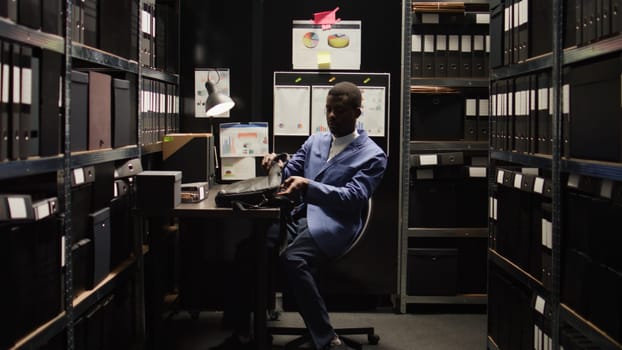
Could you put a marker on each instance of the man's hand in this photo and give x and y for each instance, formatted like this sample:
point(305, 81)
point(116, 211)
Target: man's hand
point(293, 185)
point(268, 159)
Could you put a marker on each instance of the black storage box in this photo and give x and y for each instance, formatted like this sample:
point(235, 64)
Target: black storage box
point(432, 271)
point(437, 117)
point(123, 129)
point(447, 202)
point(79, 110)
point(158, 190)
point(120, 224)
point(81, 200)
point(128, 168)
point(82, 265)
point(100, 234)
point(30, 263)
point(596, 127)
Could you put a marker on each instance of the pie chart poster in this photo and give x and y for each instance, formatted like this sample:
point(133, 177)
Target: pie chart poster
point(336, 48)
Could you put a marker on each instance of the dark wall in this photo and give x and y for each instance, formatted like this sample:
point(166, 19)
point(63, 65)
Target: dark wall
point(253, 39)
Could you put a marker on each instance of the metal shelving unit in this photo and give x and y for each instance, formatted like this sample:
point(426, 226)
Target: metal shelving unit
point(404, 175)
point(561, 315)
point(539, 161)
point(28, 36)
point(599, 48)
point(529, 66)
point(133, 268)
point(473, 299)
point(448, 146)
point(595, 334)
point(151, 148)
point(518, 273)
point(15, 168)
point(605, 170)
point(160, 75)
point(452, 82)
point(447, 232)
point(408, 147)
point(87, 158)
point(88, 299)
point(43, 334)
point(93, 55)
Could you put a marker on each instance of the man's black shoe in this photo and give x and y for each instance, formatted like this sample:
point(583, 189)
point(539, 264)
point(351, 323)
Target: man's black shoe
point(234, 343)
point(342, 346)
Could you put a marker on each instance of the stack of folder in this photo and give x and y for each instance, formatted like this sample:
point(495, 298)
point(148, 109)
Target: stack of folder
point(29, 120)
point(159, 110)
point(591, 268)
point(450, 45)
point(30, 263)
point(513, 321)
point(594, 20)
point(522, 29)
point(521, 114)
point(448, 190)
point(442, 50)
point(523, 235)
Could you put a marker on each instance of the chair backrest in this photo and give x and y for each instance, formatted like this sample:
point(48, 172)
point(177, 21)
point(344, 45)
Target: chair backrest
point(366, 216)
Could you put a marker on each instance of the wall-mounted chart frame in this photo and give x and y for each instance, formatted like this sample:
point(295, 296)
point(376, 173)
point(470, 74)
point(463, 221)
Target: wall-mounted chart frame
point(299, 106)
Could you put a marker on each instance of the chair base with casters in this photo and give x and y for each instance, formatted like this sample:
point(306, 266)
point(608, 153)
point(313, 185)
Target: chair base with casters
point(304, 337)
point(343, 333)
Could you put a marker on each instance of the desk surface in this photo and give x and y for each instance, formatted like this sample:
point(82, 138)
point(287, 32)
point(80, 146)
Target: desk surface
point(207, 208)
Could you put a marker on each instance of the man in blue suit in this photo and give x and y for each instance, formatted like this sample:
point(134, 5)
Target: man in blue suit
point(332, 176)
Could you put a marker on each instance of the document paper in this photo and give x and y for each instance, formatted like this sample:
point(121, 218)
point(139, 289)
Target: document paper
point(341, 43)
point(243, 140)
point(291, 110)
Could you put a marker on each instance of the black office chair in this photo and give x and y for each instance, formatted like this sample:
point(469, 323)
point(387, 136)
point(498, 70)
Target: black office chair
point(343, 333)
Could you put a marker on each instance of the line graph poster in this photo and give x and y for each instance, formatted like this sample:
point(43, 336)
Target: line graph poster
point(244, 140)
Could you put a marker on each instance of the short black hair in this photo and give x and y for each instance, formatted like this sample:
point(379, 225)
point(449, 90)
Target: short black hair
point(350, 91)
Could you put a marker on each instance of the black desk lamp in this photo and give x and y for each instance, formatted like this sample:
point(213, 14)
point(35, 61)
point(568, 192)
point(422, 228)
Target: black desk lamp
point(217, 102)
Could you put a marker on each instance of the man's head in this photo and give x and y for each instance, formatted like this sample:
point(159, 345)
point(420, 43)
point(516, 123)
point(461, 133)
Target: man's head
point(343, 107)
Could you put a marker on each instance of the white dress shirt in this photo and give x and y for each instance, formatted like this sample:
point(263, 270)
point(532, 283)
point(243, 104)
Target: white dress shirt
point(340, 143)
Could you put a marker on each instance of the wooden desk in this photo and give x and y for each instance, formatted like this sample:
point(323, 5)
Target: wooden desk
point(261, 219)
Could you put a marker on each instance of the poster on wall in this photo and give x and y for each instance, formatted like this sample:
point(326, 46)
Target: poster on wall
point(375, 108)
point(219, 77)
point(243, 140)
point(336, 48)
point(237, 168)
point(318, 108)
point(291, 110)
point(372, 109)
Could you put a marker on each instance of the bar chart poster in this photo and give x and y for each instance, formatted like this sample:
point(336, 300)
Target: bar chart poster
point(318, 108)
point(291, 110)
point(372, 109)
point(375, 108)
point(244, 140)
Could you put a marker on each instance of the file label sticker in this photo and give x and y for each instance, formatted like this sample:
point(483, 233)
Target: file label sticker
point(17, 207)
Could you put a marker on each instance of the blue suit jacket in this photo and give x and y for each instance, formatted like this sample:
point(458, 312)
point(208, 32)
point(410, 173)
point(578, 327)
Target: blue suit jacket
point(337, 189)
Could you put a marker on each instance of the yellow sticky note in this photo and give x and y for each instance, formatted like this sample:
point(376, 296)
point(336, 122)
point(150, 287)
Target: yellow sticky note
point(323, 60)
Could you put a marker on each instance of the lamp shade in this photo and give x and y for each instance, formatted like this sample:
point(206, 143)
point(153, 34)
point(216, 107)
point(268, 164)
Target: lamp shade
point(217, 102)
